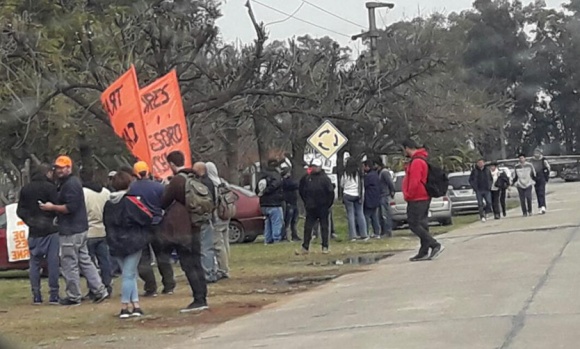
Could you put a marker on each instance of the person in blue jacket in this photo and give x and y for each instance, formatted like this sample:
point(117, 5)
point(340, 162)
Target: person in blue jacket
point(372, 197)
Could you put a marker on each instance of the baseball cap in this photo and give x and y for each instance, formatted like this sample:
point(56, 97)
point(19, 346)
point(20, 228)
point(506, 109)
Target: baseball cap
point(316, 163)
point(63, 161)
point(112, 173)
point(139, 167)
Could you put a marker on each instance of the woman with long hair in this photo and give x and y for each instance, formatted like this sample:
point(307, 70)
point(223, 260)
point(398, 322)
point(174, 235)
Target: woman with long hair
point(352, 196)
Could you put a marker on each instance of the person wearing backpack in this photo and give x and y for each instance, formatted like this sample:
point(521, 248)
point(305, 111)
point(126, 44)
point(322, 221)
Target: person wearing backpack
point(182, 225)
point(415, 191)
point(503, 183)
point(542, 168)
point(271, 194)
point(224, 212)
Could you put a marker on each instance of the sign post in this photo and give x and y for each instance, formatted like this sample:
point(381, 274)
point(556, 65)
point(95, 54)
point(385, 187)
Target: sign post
point(327, 140)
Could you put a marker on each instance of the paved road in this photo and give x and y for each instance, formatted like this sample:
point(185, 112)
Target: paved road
point(507, 284)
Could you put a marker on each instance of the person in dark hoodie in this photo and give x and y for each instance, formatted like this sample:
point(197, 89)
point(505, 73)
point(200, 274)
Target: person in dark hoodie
point(181, 233)
point(95, 199)
point(318, 195)
point(372, 201)
point(128, 224)
point(481, 182)
point(290, 187)
point(150, 193)
point(43, 239)
point(271, 194)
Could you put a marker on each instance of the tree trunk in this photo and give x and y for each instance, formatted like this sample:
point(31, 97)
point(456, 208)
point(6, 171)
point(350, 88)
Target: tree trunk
point(261, 130)
point(231, 141)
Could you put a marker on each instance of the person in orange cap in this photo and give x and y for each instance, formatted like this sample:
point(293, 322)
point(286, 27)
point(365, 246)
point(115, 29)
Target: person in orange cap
point(73, 226)
point(150, 193)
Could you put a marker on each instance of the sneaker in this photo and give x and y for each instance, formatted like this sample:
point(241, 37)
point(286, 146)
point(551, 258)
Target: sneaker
point(301, 252)
point(325, 250)
point(124, 314)
point(365, 239)
point(37, 300)
point(150, 294)
point(333, 236)
point(483, 220)
point(419, 257)
point(525, 215)
point(296, 239)
point(496, 217)
point(69, 302)
point(168, 292)
point(436, 251)
point(54, 300)
point(137, 312)
point(542, 210)
point(353, 240)
point(378, 237)
point(100, 298)
point(195, 307)
point(89, 296)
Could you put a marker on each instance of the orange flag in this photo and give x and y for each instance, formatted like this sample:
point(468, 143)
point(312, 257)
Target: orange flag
point(121, 101)
point(165, 125)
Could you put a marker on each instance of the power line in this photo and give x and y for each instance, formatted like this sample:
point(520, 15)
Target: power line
point(300, 19)
point(332, 14)
point(287, 18)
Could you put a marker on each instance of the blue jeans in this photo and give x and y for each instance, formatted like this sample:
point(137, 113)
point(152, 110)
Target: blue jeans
point(42, 248)
point(273, 224)
point(355, 216)
point(386, 217)
point(372, 218)
point(99, 250)
point(129, 264)
point(481, 196)
point(291, 220)
point(208, 255)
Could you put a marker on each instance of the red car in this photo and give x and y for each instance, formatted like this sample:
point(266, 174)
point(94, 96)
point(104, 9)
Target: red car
point(4, 264)
point(248, 223)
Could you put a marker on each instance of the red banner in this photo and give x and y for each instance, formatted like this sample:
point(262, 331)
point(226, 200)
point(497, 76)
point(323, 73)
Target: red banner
point(165, 125)
point(121, 102)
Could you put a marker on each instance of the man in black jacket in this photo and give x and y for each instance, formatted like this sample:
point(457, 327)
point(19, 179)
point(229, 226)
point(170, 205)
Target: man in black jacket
point(481, 182)
point(290, 187)
point(43, 240)
point(318, 195)
point(271, 194)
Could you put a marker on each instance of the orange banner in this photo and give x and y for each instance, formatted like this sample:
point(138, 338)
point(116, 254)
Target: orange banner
point(121, 102)
point(165, 125)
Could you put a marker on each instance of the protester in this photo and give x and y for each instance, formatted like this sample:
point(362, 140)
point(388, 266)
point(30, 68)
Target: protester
point(481, 182)
point(95, 199)
point(110, 181)
point(318, 196)
point(150, 193)
point(542, 168)
point(372, 198)
point(43, 239)
point(495, 190)
point(208, 252)
point(290, 187)
point(73, 228)
point(182, 234)
point(387, 194)
point(128, 224)
point(271, 194)
point(352, 196)
point(524, 180)
point(221, 241)
point(503, 183)
point(418, 200)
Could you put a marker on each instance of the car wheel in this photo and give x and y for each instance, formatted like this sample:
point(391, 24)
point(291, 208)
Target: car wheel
point(237, 233)
point(447, 222)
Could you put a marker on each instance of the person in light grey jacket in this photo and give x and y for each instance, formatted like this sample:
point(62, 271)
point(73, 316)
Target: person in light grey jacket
point(524, 180)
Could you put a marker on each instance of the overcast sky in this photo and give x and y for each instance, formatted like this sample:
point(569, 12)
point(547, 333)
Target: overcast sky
point(235, 24)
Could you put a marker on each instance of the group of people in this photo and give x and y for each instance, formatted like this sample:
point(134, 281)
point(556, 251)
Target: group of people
point(76, 224)
point(490, 184)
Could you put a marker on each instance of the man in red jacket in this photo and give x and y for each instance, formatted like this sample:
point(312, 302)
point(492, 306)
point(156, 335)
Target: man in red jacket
point(418, 201)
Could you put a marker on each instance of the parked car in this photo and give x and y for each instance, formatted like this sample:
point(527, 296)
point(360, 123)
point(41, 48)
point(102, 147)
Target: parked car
point(571, 174)
point(460, 192)
point(440, 210)
point(4, 263)
point(248, 223)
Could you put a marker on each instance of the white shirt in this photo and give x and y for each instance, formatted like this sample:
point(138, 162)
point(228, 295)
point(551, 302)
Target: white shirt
point(350, 185)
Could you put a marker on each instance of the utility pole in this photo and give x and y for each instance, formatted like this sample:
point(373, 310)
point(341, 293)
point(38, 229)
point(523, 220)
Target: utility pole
point(373, 34)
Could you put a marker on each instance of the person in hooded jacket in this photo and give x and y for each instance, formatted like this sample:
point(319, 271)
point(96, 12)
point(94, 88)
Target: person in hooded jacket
point(221, 241)
point(481, 181)
point(128, 224)
point(290, 187)
point(95, 199)
point(318, 195)
point(271, 194)
point(43, 239)
point(372, 201)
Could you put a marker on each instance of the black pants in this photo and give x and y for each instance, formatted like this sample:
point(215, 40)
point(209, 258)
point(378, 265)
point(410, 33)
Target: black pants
point(526, 198)
point(495, 199)
point(290, 220)
point(312, 217)
point(418, 219)
point(190, 260)
point(502, 196)
point(541, 191)
point(163, 260)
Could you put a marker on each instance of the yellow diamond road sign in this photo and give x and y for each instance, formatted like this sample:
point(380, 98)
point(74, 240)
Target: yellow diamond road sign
point(327, 140)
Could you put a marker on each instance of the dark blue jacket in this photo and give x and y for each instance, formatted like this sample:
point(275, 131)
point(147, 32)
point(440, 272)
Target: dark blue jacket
point(70, 194)
point(372, 190)
point(290, 187)
point(40, 223)
point(150, 194)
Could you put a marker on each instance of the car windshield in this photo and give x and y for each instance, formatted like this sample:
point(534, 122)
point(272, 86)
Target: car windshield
point(459, 182)
point(244, 191)
point(399, 183)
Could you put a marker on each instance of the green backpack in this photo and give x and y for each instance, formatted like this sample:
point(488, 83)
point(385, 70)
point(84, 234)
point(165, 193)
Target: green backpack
point(198, 199)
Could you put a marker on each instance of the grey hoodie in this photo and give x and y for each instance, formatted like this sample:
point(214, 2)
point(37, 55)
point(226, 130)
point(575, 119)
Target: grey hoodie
point(525, 175)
